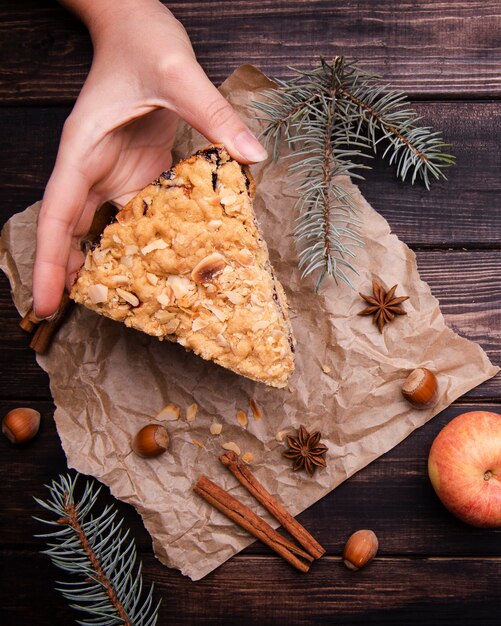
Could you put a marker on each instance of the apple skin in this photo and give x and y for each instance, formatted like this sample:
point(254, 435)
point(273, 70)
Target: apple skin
point(464, 467)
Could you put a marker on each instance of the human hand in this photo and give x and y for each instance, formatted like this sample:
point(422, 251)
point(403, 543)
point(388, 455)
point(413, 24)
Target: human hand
point(118, 138)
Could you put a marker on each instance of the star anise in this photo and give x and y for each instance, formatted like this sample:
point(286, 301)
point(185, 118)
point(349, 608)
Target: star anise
point(383, 304)
point(306, 451)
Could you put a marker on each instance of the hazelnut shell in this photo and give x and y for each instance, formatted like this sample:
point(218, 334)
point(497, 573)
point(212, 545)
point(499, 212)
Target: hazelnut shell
point(21, 424)
point(360, 549)
point(151, 441)
point(420, 388)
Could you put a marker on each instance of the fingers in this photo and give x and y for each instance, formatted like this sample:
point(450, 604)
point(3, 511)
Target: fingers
point(62, 207)
point(196, 100)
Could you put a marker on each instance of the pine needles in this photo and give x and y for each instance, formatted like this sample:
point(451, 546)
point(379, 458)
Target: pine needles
point(331, 117)
point(100, 553)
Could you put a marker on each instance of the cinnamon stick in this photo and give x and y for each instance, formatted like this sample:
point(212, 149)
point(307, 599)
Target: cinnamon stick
point(29, 321)
point(47, 328)
point(252, 523)
point(279, 512)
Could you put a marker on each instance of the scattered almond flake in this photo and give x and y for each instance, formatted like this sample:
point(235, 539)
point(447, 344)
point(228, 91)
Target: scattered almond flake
point(198, 443)
point(256, 409)
point(116, 239)
point(129, 297)
point(216, 428)
point(326, 369)
point(191, 412)
point(291, 389)
point(157, 244)
point(118, 279)
point(242, 418)
point(280, 435)
point(170, 413)
point(131, 249)
point(231, 445)
point(88, 262)
point(151, 278)
point(247, 457)
point(127, 261)
point(98, 293)
point(147, 200)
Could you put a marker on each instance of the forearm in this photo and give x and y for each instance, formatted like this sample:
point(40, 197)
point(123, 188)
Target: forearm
point(99, 15)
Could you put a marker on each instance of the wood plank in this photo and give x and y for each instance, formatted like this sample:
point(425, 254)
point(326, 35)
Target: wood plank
point(260, 590)
point(392, 496)
point(460, 212)
point(467, 283)
point(439, 49)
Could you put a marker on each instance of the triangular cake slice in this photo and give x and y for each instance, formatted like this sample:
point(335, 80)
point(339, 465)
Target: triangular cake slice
point(185, 261)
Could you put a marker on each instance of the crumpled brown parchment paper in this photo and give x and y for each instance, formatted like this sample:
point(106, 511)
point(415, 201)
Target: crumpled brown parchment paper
point(109, 381)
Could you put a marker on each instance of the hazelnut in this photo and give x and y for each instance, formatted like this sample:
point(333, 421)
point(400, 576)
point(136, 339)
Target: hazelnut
point(208, 267)
point(152, 440)
point(360, 549)
point(21, 425)
point(420, 388)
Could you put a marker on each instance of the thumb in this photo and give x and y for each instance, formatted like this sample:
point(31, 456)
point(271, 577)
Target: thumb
point(198, 102)
point(64, 200)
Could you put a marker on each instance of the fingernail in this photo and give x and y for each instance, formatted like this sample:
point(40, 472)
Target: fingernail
point(49, 318)
point(249, 147)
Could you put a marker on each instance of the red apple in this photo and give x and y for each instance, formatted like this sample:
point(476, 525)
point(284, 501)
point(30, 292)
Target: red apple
point(465, 468)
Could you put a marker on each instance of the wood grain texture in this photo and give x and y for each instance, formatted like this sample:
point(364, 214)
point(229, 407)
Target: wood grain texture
point(431, 569)
point(390, 591)
point(429, 48)
point(392, 496)
point(459, 212)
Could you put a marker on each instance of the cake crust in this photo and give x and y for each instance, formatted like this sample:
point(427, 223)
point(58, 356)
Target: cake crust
point(185, 261)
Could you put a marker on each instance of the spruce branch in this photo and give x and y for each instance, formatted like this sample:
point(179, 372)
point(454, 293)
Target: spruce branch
point(96, 549)
point(331, 117)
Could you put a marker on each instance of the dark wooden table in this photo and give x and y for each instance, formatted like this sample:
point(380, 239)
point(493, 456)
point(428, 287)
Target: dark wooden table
point(431, 569)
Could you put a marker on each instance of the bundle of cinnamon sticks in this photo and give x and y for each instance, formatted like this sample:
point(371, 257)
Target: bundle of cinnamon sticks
point(45, 330)
point(300, 558)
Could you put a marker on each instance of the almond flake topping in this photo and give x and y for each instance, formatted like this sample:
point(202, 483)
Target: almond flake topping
point(119, 279)
point(151, 278)
point(214, 224)
point(206, 269)
point(129, 297)
point(98, 293)
point(157, 244)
